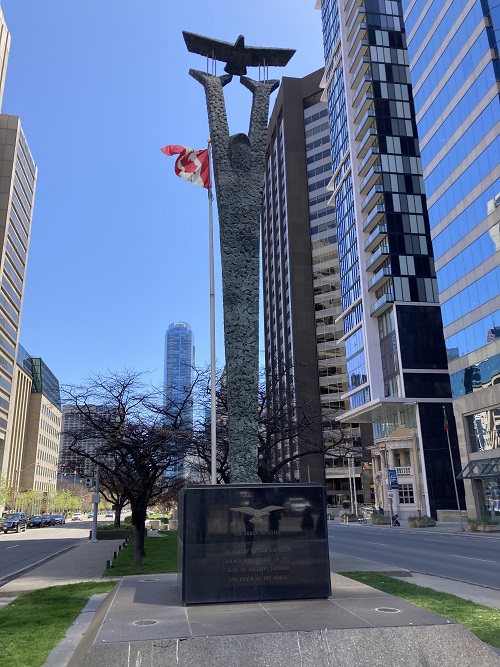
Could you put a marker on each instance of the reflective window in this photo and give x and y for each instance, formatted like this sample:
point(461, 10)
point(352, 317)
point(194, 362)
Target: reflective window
point(448, 90)
point(483, 430)
point(466, 221)
point(457, 116)
point(466, 261)
point(474, 337)
point(471, 297)
point(435, 76)
point(479, 376)
point(471, 137)
point(486, 162)
point(360, 398)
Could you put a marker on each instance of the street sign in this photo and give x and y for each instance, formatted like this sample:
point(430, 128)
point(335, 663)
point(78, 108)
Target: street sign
point(390, 495)
point(393, 478)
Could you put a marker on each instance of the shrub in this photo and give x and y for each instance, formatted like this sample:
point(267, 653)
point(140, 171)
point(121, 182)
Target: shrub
point(421, 521)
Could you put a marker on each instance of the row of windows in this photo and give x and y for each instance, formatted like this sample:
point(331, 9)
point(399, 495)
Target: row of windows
point(320, 155)
point(448, 90)
point(360, 398)
point(320, 170)
point(484, 374)
point(354, 344)
point(438, 35)
point(435, 76)
point(391, 73)
point(318, 185)
point(401, 163)
point(465, 222)
point(316, 116)
point(460, 113)
point(316, 130)
point(400, 203)
point(454, 156)
point(474, 337)
point(415, 289)
point(324, 226)
point(466, 261)
point(317, 143)
point(473, 296)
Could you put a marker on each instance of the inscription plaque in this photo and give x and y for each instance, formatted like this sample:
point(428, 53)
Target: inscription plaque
point(247, 542)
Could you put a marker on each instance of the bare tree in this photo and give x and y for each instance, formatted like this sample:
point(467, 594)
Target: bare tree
point(136, 440)
point(287, 433)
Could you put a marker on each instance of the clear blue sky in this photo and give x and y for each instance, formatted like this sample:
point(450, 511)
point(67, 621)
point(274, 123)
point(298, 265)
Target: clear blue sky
point(119, 246)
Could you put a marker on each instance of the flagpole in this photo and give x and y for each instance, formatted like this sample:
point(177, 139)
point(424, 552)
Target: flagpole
point(213, 422)
point(447, 429)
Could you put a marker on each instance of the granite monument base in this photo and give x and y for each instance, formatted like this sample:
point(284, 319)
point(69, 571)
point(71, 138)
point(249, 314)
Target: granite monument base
point(248, 542)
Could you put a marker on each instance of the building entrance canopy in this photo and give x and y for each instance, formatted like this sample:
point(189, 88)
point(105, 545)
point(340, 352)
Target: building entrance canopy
point(481, 469)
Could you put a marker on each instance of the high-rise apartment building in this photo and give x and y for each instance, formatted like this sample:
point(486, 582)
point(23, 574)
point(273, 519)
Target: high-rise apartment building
point(305, 363)
point(178, 368)
point(17, 192)
point(455, 71)
point(397, 376)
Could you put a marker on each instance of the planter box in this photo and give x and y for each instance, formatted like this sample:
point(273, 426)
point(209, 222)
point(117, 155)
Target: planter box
point(381, 521)
point(422, 524)
point(488, 528)
point(118, 534)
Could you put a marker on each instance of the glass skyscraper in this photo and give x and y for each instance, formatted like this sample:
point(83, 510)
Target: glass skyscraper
point(178, 369)
point(397, 377)
point(455, 72)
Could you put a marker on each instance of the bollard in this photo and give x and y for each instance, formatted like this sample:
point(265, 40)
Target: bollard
point(109, 563)
point(115, 554)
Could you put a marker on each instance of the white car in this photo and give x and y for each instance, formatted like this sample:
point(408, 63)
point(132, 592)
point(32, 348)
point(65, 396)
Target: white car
point(109, 513)
point(77, 516)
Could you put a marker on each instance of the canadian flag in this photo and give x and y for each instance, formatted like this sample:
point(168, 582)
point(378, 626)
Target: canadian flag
point(191, 165)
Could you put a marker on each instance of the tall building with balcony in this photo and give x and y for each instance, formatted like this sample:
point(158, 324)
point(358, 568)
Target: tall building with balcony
point(455, 72)
point(305, 364)
point(397, 376)
point(17, 192)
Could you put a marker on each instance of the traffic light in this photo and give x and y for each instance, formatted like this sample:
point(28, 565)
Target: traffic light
point(89, 482)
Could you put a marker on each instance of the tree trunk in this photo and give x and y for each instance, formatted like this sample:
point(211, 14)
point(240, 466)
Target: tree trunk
point(139, 522)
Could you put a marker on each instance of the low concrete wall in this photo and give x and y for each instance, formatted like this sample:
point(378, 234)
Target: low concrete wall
point(118, 534)
point(451, 515)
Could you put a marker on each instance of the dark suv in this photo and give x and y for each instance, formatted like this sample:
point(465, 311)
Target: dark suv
point(16, 521)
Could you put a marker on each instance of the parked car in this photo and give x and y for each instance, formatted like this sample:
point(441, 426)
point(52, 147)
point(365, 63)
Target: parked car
point(35, 521)
point(59, 518)
point(90, 515)
point(15, 521)
point(48, 520)
point(77, 516)
point(110, 513)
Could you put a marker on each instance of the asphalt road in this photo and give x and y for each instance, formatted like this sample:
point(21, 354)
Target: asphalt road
point(21, 550)
point(464, 557)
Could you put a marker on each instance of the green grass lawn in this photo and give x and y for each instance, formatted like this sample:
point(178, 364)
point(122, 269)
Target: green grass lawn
point(35, 622)
point(484, 622)
point(161, 557)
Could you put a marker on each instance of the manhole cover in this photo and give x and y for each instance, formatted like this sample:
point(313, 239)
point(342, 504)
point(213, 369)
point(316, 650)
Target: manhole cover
point(388, 610)
point(144, 622)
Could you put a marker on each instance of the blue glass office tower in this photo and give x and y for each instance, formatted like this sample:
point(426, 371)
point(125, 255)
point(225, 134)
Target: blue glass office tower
point(395, 353)
point(453, 48)
point(178, 368)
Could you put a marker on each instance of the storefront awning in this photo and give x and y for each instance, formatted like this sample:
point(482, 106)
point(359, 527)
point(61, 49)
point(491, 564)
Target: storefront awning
point(481, 469)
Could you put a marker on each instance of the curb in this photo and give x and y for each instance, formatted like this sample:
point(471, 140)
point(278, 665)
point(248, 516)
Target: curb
point(62, 653)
